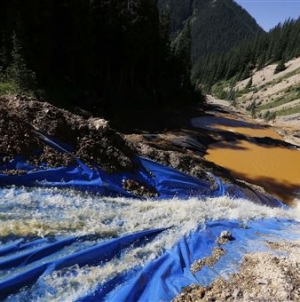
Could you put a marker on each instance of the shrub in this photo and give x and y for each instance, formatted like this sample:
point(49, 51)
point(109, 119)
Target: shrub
point(280, 67)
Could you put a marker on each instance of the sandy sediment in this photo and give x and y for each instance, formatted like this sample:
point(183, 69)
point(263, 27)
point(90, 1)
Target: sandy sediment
point(268, 276)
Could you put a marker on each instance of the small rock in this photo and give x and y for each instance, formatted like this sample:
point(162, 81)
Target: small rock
point(224, 237)
point(138, 188)
point(226, 234)
point(236, 293)
point(98, 124)
point(262, 281)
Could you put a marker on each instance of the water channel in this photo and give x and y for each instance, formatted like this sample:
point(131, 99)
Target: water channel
point(258, 157)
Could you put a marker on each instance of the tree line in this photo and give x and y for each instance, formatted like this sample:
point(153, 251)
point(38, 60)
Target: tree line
point(279, 45)
point(216, 26)
point(106, 54)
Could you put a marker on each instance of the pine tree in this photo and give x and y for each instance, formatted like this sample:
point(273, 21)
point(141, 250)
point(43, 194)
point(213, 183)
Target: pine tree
point(249, 84)
point(280, 67)
point(182, 50)
point(18, 71)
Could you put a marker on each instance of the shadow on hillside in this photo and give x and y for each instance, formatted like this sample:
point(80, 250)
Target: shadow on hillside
point(215, 122)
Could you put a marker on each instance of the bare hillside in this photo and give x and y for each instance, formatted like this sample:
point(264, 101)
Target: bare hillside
point(270, 92)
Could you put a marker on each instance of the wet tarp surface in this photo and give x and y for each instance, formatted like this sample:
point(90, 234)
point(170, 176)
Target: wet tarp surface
point(163, 278)
point(24, 262)
point(168, 182)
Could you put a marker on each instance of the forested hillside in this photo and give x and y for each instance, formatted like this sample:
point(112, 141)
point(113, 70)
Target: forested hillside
point(278, 46)
point(215, 25)
point(95, 54)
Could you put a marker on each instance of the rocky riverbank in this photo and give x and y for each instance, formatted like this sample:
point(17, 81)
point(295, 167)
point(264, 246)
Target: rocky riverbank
point(266, 276)
point(92, 140)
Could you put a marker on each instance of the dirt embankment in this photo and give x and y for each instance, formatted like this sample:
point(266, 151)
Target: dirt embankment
point(92, 140)
point(273, 92)
point(88, 139)
point(262, 277)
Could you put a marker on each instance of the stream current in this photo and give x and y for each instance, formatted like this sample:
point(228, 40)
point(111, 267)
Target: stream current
point(48, 212)
point(45, 213)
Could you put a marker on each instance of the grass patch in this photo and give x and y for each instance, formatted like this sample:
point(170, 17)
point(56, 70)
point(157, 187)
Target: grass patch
point(8, 88)
point(288, 75)
point(288, 111)
point(280, 101)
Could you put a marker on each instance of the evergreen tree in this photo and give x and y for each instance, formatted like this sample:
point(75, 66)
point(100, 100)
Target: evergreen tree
point(18, 71)
point(103, 54)
point(182, 51)
point(231, 96)
point(280, 67)
point(281, 43)
point(252, 108)
point(249, 84)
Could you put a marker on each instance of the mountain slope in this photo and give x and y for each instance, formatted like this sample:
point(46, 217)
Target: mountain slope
point(261, 76)
point(271, 92)
point(216, 25)
point(98, 55)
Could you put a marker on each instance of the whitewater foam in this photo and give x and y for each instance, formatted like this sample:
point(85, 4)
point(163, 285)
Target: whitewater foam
point(44, 212)
point(51, 211)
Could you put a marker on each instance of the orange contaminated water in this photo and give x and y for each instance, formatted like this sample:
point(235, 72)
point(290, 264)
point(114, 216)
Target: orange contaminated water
point(275, 168)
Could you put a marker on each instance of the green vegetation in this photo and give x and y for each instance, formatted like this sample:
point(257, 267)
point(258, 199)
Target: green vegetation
point(288, 111)
point(100, 55)
point(216, 26)
point(280, 67)
point(252, 108)
point(281, 44)
point(220, 91)
point(280, 101)
point(120, 54)
point(8, 88)
point(269, 115)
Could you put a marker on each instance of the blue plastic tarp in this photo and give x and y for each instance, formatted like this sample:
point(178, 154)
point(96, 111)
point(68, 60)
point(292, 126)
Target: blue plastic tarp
point(26, 262)
point(31, 260)
point(165, 277)
point(168, 182)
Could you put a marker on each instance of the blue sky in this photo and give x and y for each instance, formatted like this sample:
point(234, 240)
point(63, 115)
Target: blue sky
point(268, 13)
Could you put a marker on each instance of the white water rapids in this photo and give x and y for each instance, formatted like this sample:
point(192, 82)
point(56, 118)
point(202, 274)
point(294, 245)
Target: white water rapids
point(46, 212)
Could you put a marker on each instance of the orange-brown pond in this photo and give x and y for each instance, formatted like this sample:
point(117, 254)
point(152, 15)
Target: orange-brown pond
point(265, 163)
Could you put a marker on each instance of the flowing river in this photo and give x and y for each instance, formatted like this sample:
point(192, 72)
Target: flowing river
point(47, 217)
point(42, 213)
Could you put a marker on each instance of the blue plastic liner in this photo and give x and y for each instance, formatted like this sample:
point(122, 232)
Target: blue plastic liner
point(165, 277)
point(27, 274)
point(159, 280)
point(168, 182)
point(23, 261)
